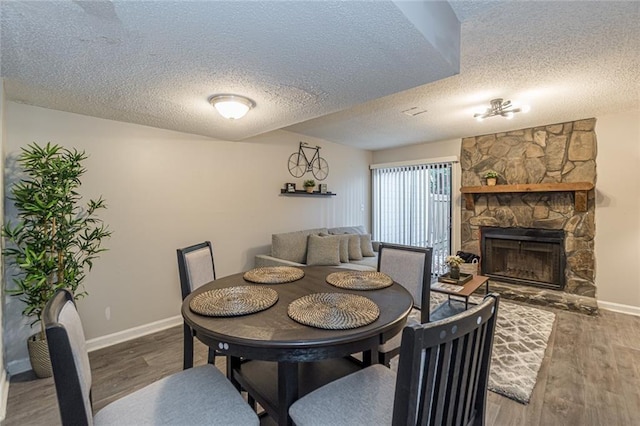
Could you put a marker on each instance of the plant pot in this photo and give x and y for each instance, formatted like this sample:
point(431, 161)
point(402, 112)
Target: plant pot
point(491, 181)
point(309, 189)
point(39, 356)
point(454, 272)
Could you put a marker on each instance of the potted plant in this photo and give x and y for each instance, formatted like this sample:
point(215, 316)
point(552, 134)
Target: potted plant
point(454, 263)
point(309, 185)
point(492, 177)
point(54, 240)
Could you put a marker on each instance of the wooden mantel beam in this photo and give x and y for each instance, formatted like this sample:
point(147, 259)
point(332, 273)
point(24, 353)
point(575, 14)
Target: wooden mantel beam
point(580, 190)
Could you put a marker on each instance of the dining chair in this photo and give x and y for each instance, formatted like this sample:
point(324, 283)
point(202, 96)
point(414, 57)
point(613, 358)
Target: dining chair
point(411, 268)
point(442, 378)
point(195, 396)
point(195, 267)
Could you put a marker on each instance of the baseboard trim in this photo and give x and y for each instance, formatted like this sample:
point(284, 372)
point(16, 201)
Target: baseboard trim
point(617, 307)
point(132, 333)
point(4, 394)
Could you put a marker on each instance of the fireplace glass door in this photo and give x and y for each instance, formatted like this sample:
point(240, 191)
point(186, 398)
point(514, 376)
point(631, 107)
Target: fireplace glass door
point(521, 256)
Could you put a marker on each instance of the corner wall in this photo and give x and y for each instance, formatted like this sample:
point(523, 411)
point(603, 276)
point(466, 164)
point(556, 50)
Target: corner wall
point(167, 190)
point(617, 244)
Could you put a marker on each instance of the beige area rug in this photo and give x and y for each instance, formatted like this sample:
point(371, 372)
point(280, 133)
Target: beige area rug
point(522, 334)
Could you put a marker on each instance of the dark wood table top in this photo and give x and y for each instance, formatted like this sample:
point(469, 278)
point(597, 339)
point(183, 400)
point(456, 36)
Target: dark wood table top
point(465, 290)
point(271, 335)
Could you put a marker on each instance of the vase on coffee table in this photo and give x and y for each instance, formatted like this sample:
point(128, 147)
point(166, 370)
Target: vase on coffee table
point(454, 272)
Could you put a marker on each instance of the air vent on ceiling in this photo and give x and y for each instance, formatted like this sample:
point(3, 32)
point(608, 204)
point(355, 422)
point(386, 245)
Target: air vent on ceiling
point(412, 112)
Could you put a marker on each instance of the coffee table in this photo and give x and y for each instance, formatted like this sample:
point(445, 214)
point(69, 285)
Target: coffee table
point(464, 290)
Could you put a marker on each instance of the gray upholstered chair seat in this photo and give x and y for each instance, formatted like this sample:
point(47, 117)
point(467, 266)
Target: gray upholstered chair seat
point(174, 399)
point(394, 342)
point(341, 402)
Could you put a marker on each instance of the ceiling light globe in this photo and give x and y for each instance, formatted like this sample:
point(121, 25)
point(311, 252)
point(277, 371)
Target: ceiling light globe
point(232, 107)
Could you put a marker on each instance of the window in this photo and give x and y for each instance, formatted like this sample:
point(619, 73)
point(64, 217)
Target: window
point(412, 206)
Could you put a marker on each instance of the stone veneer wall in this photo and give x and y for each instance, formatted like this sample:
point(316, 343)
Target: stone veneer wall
point(564, 152)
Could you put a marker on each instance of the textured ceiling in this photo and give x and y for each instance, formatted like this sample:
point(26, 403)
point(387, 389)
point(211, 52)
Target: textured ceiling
point(341, 71)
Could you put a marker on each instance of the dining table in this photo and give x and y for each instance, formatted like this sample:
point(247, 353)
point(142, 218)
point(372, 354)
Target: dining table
point(277, 359)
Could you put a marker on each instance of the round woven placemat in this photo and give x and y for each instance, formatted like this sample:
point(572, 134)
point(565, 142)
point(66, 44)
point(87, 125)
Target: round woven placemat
point(233, 301)
point(274, 274)
point(360, 280)
point(333, 311)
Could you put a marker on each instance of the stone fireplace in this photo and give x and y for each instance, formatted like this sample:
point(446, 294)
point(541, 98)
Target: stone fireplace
point(547, 159)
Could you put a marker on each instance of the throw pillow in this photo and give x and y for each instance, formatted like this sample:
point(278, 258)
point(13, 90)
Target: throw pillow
point(366, 246)
point(355, 250)
point(323, 251)
point(344, 246)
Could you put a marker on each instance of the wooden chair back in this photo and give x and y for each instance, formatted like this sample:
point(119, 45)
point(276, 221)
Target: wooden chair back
point(443, 370)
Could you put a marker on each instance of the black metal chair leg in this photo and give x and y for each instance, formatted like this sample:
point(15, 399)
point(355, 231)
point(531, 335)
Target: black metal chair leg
point(188, 348)
point(211, 357)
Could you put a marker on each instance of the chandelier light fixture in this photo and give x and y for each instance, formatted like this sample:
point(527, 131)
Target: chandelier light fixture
point(500, 107)
point(232, 107)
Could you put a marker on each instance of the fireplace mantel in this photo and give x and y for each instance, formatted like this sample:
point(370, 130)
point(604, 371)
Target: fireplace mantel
point(579, 189)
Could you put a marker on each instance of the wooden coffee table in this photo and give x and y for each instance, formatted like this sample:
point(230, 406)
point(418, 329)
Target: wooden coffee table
point(464, 290)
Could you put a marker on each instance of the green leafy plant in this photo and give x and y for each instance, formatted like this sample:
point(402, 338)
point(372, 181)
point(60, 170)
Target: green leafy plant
point(54, 239)
point(491, 174)
point(310, 183)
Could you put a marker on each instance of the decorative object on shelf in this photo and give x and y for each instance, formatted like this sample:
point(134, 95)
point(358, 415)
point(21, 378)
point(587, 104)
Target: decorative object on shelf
point(299, 192)
point(492, 177)
point(232, 107)
point(501, 108)
point(290, 187)
point(454, 263)
point(323, 188)
point(299, 163)
point(309, 184)
point(54, 240)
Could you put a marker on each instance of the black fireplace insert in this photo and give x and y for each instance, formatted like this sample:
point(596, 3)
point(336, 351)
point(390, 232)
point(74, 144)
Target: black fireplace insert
point(524, 256)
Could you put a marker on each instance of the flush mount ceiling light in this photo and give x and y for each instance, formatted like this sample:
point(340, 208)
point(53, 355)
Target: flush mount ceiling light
point(232, 106)
point(498, 107)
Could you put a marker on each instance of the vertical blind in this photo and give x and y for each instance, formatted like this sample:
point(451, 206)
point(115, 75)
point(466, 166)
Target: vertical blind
point(412, 206)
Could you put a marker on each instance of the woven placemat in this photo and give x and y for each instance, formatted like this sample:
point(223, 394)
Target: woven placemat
point(233, 301)
point(333, 311)
point(274, 274)
point(360, 280)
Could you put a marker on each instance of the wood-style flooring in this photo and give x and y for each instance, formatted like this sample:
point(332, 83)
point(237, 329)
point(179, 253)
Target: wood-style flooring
point(590, 376)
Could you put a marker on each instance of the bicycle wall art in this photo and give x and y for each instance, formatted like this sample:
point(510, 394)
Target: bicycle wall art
point(299, 162)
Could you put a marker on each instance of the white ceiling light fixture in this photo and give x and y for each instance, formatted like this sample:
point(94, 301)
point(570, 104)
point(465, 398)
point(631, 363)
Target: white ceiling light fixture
point(498, 107)
point(232, 107)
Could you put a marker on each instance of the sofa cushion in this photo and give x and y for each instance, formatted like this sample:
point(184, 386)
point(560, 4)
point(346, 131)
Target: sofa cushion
point(323, 251)
point(365, 245)
point(355, 248)
point(292, 246)
point(344, 246)
point(348, 230)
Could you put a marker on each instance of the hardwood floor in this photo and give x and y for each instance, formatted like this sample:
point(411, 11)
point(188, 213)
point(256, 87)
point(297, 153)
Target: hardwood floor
point(590, 376)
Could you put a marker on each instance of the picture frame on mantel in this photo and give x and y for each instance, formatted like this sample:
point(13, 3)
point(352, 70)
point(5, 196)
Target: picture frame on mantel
point(290, 187)
point(323, 188)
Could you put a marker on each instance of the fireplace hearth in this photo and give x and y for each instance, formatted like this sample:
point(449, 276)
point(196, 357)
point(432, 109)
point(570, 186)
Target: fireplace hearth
point(524, 256)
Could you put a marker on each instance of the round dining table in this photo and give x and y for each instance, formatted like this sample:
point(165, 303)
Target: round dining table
point(276, 359)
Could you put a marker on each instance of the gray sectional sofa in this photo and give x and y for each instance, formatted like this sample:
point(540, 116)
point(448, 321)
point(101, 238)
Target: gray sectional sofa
point(323, 247)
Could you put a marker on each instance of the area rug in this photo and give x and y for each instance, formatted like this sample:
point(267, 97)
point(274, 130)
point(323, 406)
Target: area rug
point(522, 334)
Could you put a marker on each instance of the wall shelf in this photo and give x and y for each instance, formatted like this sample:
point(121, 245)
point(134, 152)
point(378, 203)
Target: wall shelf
point(306, 194)
point(580, 190)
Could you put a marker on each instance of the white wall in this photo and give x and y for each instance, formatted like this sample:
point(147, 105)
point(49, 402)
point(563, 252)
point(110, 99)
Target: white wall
point(617, 243)
point(167, 190)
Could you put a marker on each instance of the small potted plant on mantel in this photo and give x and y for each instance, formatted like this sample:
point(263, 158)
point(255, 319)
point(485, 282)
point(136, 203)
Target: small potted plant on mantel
point(54, 240)
point(309, 185)
point(492, 177)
